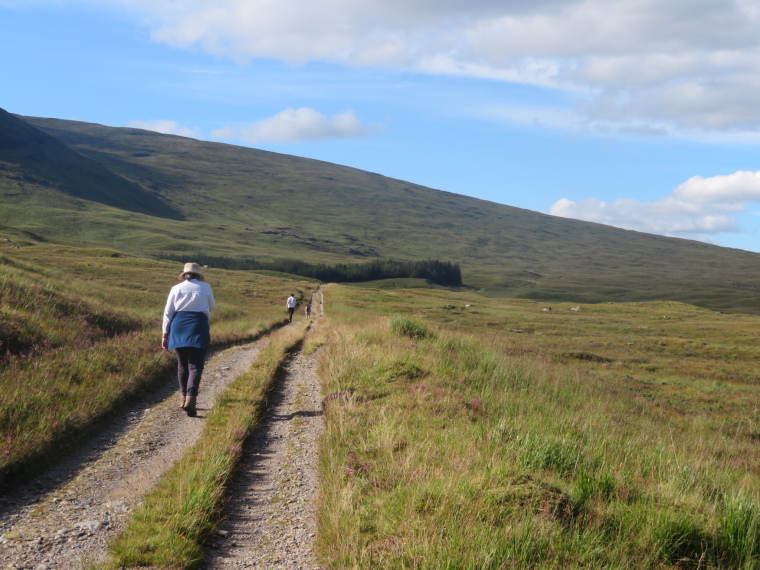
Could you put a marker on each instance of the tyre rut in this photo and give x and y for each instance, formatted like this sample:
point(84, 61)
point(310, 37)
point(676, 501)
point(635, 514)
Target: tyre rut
point(270, 518)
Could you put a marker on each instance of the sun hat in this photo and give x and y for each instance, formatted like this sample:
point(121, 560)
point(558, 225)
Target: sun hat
point(191, 268)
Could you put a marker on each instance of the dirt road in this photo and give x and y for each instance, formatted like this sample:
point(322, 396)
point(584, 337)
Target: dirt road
point(270, 519)
point(65, 518)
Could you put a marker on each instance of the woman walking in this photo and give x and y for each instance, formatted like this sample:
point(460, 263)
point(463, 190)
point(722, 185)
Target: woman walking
point(186, 330)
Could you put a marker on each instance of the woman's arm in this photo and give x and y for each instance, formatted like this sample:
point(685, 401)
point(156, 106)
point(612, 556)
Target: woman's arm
point(211, 301)
point(168, 312)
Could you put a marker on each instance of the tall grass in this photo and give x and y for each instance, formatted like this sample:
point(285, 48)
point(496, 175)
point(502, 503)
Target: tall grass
point(488, 449)
point(169, 529)
point(48, 399)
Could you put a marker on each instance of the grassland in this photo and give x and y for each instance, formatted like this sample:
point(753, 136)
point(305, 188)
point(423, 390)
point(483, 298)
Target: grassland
point(462, 431)
point(499, 435)
point(241, 202)
point(80, 340)
point(28, 155)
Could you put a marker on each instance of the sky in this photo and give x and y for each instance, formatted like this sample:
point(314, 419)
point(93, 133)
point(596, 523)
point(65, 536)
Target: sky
point(641, 114)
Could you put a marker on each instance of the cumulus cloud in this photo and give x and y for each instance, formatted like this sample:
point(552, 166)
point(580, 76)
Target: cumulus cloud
point(165, 127)
point(675, 65)
point(697, 209)
point(741, 186)
point(296, 125)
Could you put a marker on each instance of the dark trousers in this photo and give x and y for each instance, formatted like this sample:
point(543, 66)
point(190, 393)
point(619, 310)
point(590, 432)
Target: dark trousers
point(290, 313)
point(190, 363)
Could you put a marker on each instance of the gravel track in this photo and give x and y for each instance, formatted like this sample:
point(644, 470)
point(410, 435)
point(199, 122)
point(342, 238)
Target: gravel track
point(269, 520)
point(64, 518)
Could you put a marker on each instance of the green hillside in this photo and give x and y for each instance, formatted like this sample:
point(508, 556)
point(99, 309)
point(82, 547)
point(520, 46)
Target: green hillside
point(28, 156)
point(242, 202)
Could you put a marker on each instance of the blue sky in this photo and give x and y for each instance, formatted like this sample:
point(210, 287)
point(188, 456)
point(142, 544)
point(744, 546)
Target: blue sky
point(641, 114)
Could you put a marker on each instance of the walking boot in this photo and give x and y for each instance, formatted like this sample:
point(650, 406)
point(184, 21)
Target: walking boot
point(182, 400)
point(190, 406)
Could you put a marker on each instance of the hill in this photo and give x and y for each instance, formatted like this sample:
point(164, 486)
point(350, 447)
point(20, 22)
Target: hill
point(242, 202)
point(31, 157)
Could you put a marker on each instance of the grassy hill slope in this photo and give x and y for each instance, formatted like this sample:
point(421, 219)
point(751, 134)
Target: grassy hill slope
point(31, 156)
point(239, 201)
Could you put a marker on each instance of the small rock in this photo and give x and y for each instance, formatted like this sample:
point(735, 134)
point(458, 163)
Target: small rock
point(118, 506)
point(88, 526)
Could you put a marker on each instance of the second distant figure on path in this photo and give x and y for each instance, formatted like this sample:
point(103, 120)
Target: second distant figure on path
point(186, 330)
point(308, 310)
point(291, 305)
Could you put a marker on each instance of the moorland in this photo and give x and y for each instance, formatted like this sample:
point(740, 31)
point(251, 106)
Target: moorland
point(580, 416)
point(228, 201)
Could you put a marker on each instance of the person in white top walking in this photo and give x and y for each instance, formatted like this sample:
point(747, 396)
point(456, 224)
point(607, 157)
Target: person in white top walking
point(186, 330)
point(291, 306)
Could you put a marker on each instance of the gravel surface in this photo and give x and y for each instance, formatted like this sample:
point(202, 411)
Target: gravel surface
point(269, 520)
point(64, 519)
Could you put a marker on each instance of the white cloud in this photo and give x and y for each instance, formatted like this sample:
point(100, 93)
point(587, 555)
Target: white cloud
point(741, 186)
point(165, 127)
point(672, 66)
point(296, 125)
point(697, 209)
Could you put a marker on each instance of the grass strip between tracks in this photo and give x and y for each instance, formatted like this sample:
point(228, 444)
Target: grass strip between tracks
point(169, 529)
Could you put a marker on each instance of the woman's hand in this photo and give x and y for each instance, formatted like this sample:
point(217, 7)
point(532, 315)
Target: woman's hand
point(165, 341)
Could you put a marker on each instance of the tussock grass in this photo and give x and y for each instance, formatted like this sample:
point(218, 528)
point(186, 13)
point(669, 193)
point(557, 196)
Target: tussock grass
point(476, 447)
point(169, 529)
point(80, 339)
point(408, 327)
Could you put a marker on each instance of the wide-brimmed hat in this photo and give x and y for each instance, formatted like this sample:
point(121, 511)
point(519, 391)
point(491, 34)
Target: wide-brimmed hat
point(191, 268)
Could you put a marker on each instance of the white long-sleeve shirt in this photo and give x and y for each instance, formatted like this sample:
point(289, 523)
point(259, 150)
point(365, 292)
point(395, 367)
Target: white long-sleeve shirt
point(192, 295)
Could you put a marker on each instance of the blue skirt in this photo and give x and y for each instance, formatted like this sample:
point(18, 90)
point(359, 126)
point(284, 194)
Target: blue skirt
point(189, 329)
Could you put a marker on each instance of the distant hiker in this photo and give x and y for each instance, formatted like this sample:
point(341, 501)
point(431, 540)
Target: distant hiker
point(308, 310)
point(186, 331)
point(291, 305)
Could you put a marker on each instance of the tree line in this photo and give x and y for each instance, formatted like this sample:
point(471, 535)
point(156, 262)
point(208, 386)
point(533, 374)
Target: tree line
point(440, 272)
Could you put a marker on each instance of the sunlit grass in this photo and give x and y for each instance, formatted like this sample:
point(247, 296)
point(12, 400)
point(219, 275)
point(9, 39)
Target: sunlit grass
point(462, 432)
point(494, 440)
